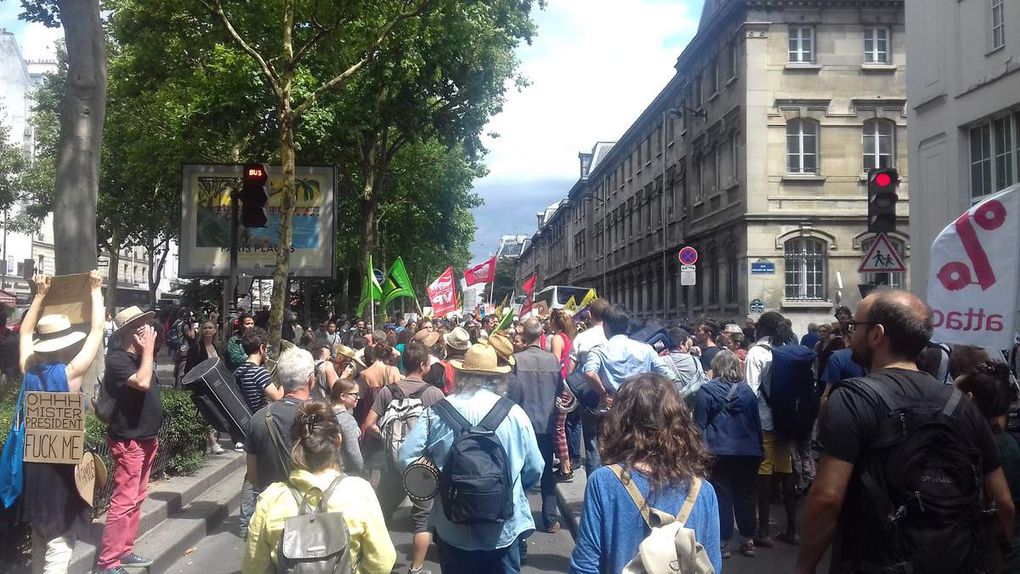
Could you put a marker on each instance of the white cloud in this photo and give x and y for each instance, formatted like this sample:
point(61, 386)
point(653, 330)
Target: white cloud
point(594, 66)
point(37, 42)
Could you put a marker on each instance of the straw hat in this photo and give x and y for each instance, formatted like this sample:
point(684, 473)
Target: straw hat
point(54, 333)
point(426, 337)
point(480, 360)
point(458, 339)
point(504, 347)
point(348, 352)
point(130, 316)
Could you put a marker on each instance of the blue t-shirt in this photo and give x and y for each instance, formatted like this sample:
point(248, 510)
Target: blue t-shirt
point(49, 377)
point(612, 527)
point(841, 366)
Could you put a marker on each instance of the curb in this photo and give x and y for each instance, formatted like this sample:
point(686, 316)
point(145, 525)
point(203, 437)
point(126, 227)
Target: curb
point(165, 499)
point(570, 496)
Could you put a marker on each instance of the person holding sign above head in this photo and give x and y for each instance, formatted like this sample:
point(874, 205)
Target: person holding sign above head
point(130, 382)
point(55, 358)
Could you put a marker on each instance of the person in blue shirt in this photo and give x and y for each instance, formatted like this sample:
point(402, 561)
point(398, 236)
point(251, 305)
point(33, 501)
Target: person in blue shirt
point(726, 410)
point(491, 547)
point(607, 366)
point(840, 366)
point(55, 358)
point(649, 438)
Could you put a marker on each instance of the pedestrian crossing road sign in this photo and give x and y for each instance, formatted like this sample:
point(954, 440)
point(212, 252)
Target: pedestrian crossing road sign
point(882, 257)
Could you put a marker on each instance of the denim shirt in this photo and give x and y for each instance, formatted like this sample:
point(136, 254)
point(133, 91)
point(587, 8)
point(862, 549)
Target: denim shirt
point(621, 357)
point(433, 436)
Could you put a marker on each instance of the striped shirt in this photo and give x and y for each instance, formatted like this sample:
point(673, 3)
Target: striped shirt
point(252, 380)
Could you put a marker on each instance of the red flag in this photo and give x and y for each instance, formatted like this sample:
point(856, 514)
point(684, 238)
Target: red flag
point(529, 284)
point(484, 272)
point(526, 307)
point(442, 294)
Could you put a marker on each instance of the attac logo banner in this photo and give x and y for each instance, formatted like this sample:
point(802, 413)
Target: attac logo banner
point(54, 427)
point(482, 273)
point(972, 301)
point(441, 293)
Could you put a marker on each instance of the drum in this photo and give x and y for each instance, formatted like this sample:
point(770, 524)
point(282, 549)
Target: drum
point(421, 480)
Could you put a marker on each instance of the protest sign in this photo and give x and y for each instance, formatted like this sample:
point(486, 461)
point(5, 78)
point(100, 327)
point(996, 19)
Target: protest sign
point(974, 302)
point(54, 427)
point(69, 295)
point(89, 476)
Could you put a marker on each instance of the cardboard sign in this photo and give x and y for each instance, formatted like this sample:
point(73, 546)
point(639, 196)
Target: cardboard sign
point(69, 295)
point(89, 476)
point(54, 427)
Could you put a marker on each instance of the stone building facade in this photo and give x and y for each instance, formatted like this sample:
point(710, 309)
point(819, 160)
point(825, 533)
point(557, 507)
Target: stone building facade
point(964, 93)
point(755, 153)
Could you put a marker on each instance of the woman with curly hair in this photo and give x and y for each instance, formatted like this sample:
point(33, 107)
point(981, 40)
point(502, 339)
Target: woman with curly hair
point(648, 441)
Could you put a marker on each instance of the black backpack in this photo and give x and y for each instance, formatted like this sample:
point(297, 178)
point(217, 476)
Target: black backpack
point(475, 483)
point(923, 490)
point(790, 391)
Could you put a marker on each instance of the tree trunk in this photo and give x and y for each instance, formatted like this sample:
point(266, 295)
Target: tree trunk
point(113, 276)
point(156, 267)
point(83, 111)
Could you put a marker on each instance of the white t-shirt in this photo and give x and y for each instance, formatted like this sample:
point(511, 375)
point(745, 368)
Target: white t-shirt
point(585, 341)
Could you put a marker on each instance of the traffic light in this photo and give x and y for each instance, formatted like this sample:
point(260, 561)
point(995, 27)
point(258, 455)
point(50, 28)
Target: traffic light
point(254, 195)
point(882, 198)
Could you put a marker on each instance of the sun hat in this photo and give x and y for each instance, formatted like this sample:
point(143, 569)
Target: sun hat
point(458, 339)
point(480, 359)
point(348, 352)
point(426, 337)
point(503, 347)
point(131, 316)
point(53, 333)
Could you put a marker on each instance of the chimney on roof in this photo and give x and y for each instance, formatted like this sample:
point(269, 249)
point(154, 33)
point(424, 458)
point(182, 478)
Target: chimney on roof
point(585, 163)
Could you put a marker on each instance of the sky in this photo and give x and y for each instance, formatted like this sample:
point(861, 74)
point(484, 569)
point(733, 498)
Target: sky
point(593, 67)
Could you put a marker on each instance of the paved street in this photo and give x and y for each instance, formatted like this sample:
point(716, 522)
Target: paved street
point(220, 553)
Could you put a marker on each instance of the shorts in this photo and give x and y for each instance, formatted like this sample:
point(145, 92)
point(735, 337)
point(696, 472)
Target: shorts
point(778, 455)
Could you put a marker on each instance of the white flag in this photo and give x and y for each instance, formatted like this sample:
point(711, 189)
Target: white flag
point(973, 277)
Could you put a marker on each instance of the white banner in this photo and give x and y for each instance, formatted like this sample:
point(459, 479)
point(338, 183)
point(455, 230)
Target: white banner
point(973, 277)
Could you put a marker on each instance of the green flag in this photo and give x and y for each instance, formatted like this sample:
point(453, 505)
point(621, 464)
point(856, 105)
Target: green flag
point(398, 283)
point(370, 290)
point(504, 322)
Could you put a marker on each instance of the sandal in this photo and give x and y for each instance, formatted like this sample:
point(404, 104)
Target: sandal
point(747, 548)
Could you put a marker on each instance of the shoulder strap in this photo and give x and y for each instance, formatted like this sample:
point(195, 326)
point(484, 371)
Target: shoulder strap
point(496, 415)
point(879, 389)
point(278, 444)
point(453, 417)
point(324, 501)
point(733, 389)
point(692, 497)
point(953, 403)
point(395, 391)
point(635, 494)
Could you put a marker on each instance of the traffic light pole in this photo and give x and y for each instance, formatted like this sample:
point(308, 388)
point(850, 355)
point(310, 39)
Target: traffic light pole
point(230, 286)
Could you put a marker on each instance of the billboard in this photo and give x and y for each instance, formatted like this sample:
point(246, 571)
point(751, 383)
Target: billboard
point(205, 223)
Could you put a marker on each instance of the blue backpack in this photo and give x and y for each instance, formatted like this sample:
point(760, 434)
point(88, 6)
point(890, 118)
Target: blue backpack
point(790, 391)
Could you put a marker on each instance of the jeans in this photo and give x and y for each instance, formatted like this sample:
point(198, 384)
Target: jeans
point(51, 556)
point(248, 496)
point(574, 434)
point(590, 424)
point(548, 483)
point(734, 479)
point(132, 462)
point(453, 560)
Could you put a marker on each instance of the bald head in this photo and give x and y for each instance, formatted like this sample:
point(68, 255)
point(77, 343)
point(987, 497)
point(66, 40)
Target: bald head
point(532, 330)
point(904, 320)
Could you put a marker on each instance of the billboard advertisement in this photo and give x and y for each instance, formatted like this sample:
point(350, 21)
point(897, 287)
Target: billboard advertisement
point(205, 223)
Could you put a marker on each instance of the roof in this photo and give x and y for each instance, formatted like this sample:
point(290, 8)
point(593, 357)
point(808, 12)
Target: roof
point(599, 152)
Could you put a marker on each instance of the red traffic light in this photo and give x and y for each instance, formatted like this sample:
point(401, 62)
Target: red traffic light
point(883, 179)
point(254, 174)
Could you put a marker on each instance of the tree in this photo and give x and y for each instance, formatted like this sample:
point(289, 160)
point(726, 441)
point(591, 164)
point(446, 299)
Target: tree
point(504, 283)
point(82, 113)
point(296, 90)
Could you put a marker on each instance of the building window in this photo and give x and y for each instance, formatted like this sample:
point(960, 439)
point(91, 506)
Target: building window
point(715, 77)
point(712, 278)
point(698, 96)
point(876, 46)
point(41, 265)
point(993, 154)
point(802, 45)
point(802, 146)
point(732, 279)
point(700, 187)
point(717, 168)
point(734, 157)
point(11, 267)
point(805, 269)
point(733, 60)
point(896, 280)
point(879, 143)
point(998, 24)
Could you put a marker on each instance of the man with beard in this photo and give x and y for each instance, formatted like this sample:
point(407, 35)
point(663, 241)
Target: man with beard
point(901, 497)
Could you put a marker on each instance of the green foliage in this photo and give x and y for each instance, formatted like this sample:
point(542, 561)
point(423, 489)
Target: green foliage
point(504, 285)
point(185, 432)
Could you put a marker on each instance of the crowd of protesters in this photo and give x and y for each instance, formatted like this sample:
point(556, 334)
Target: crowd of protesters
point(908, 463)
